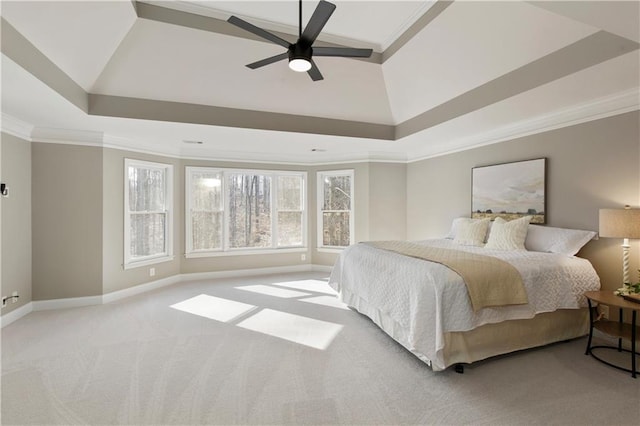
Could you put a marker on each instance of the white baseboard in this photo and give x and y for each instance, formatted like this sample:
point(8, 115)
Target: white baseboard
point(321, 268)
point(69, 302)
point(141, 288)
point(16, 314)
point(246, 272)
point(75, 302)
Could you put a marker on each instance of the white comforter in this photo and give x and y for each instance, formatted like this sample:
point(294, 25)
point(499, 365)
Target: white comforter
point(416, 301)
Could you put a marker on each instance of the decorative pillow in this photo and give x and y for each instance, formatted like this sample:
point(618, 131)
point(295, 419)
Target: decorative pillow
point(456, 224)
point(508, 235)
point(472, 232)
point(557, 240)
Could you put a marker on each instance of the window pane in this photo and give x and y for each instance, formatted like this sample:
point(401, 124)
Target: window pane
point(206, 191)
point(249, 211)
point(147, 234)
point(337, 193)
point(335, 229)
point(206, 230)
point(289, 193)
point(146, 189)
point(289, 229)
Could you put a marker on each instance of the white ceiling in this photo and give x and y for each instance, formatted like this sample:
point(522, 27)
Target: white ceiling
point(472, 73)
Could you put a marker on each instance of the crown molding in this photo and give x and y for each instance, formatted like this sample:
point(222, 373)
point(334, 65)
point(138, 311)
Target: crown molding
point(16, 127)
point(596, 109)
point(67, 136)
point(310, 159)
point(603, 107)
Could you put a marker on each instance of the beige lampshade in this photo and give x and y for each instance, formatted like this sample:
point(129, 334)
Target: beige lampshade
point(620, 223)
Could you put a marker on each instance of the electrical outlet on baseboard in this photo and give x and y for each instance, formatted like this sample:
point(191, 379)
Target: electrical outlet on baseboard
point(152, 272)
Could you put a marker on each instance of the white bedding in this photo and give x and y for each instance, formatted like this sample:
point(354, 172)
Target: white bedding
point(416, 301)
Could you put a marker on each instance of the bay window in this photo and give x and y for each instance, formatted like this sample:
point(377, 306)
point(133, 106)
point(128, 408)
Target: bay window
point(244, 210)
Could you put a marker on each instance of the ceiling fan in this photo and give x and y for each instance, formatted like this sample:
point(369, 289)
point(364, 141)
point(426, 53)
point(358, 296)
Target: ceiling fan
point(301, 52)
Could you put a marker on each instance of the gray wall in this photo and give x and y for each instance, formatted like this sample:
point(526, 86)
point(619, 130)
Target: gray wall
point(114, 276)
point(67, 220)
point(76, 243)
point(15, 157)
point(590, 166)
point(387, 201)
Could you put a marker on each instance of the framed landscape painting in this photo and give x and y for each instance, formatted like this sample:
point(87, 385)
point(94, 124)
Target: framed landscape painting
point(510, 190)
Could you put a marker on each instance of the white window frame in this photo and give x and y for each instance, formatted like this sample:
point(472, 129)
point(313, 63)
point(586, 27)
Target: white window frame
point(129, 261)
point(277, 210)
point(321, 175)
point(233, 251)
point(188, 208)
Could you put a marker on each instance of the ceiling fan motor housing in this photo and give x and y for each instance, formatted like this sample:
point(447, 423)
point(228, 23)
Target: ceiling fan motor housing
point(300, 51)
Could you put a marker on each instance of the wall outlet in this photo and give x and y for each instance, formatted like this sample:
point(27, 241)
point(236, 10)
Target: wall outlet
point(14, 297)
point(303, 257)
point(152, 272)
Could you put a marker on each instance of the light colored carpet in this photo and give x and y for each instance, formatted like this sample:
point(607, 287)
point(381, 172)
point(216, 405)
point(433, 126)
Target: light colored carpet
point(205, 353)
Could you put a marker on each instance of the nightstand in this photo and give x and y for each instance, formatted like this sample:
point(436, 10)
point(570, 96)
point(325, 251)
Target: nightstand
point(630, 332)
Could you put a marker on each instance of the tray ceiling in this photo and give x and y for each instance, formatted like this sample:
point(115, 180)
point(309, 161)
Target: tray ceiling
point(445, 76)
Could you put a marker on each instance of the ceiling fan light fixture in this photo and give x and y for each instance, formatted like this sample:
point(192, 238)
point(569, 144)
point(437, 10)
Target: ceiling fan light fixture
point(301, 52)
point(300, 64)
point(300, 57)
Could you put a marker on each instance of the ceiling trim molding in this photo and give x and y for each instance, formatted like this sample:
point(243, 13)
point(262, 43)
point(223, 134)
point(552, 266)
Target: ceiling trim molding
point(428, 16)
point(16, 127)
point(67, 136)
point(617, 104)
point(21, 51)
point(608, 106)
point(221, 26)
point(589, 51)
point(145, 109)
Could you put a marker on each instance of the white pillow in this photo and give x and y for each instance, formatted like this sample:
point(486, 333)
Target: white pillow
point(456, 224)
point(472, 232)
point(508, 235)
point(557, 240)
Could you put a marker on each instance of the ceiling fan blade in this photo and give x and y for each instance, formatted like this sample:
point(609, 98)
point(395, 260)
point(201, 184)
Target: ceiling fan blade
point(258, 31)
point(318, 20)
point(268, 61)
point(314, 72)
point(346, 52)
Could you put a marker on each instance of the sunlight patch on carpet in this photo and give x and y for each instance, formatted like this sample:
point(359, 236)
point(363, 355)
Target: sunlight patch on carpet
point(316, 286)
point(330, 301)
point(294, 328)
point(273, 291)
point(214, 308)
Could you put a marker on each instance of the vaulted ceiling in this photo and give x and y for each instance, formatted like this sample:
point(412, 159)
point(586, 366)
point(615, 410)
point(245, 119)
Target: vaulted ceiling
point(444, 76)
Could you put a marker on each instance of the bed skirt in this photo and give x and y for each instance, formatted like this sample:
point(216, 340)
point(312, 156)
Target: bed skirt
point(487, 340)
point(510, 336)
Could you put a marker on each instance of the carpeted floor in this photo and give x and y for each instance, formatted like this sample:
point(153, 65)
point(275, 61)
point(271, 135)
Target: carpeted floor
point(278, 350)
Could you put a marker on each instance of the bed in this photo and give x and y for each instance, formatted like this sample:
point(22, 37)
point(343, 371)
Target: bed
point(426, 307)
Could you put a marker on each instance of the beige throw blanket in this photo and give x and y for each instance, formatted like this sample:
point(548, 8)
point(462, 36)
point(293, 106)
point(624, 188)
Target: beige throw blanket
point(490, 281)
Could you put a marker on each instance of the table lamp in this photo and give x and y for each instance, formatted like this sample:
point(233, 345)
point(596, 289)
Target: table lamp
point(621, 223)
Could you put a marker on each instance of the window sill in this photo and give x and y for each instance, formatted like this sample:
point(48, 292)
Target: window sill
point(245, 252)
point(330, 249)
point(147, 262)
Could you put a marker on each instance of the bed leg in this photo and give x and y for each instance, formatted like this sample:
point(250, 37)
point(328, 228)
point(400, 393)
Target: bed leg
point(459, 368)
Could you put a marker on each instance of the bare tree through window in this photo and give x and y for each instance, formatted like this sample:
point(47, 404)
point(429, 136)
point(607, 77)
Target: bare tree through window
point(336, 209)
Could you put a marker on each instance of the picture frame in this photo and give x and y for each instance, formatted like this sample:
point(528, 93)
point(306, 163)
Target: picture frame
point(510, 190)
